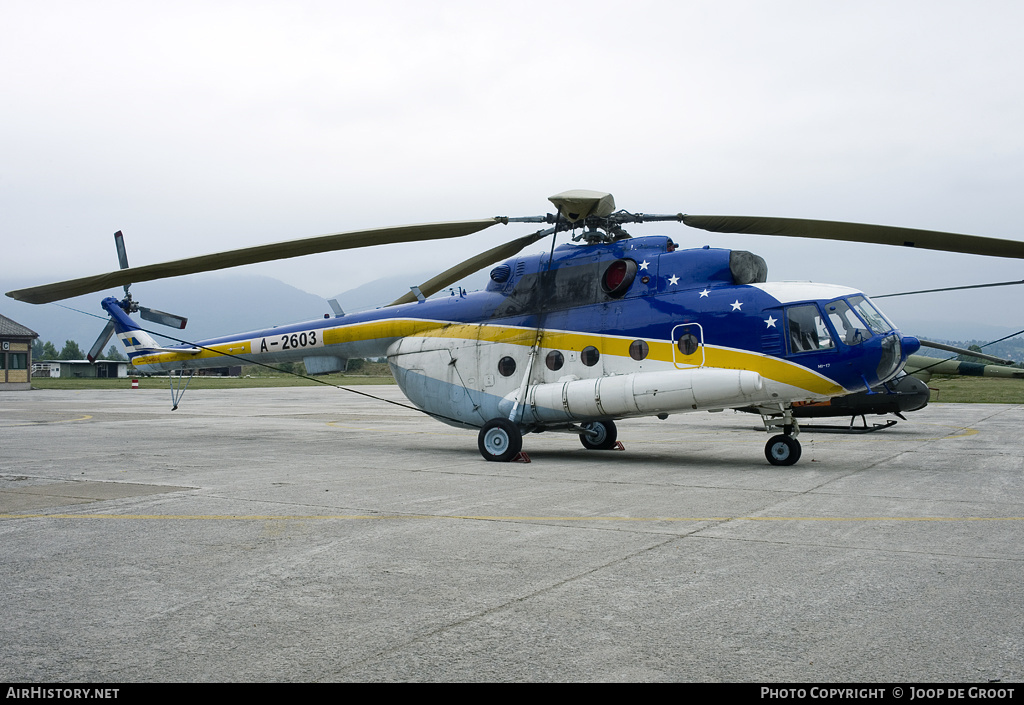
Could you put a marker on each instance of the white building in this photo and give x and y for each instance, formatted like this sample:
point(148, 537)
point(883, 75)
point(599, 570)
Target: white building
point(79, 368)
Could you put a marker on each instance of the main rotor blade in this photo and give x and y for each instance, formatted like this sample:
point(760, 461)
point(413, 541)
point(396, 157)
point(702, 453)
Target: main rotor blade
point(163, 318)
point(858, 232)
point(251, 255)
point(473, 264)
point(962, 351)
point(949, 288)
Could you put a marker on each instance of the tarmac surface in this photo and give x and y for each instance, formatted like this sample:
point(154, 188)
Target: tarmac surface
point(306, 534)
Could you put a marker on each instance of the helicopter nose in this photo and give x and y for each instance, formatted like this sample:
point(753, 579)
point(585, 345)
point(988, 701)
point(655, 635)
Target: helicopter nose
point(910, 344)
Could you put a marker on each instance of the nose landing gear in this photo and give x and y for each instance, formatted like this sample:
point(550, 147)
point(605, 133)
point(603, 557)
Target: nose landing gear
point(783, 449)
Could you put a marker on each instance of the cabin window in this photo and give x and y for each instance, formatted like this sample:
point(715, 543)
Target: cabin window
point(807, 329)
point(554, 360)
point(688, 343)
point(506, 366)
point(590, 356)
point(639, 350)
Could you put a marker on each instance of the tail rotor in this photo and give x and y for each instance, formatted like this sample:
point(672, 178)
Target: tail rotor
point(129, 306)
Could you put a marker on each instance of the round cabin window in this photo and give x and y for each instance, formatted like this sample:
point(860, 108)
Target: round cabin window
point(554, 360)
point(590, 356)
point(688, 344)
point(506, 366)
point(639, 350)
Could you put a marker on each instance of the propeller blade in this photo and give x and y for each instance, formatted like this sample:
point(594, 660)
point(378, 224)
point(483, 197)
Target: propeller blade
point(163, 318)
point(473, 264)
point(101, 342)
point(251, 255)
point(858, 232)
point(949, 288)
point(962, 351)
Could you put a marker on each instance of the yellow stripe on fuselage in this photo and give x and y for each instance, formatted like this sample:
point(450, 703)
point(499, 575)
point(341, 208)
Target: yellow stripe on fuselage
point(380, 330)
point(772, 368)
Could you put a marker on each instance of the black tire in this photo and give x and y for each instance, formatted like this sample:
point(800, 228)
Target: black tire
point(602, 437)
point(782, 450)
point(500, 440)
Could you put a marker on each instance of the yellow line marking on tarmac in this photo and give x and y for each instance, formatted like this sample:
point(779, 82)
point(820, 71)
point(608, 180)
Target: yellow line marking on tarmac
point(323, 517)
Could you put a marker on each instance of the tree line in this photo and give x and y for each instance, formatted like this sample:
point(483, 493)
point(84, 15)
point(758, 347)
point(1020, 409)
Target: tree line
point(70, 351)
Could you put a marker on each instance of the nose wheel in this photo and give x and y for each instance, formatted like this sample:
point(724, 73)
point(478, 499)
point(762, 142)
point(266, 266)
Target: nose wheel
point(782, 450)
point(500, 440)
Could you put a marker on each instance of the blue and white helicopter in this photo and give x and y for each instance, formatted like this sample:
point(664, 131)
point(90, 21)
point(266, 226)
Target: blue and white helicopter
point(603, 328)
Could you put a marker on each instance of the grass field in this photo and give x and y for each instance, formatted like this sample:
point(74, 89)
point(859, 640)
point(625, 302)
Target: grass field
point(980, 390)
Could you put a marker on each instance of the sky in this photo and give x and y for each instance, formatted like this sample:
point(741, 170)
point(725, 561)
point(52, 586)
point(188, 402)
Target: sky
point(198, 127)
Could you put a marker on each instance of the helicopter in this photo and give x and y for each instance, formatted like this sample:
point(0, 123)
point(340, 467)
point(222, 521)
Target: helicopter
point(598, 329)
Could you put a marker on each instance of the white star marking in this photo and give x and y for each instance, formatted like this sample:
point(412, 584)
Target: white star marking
point(643, 265)
point(704, 294)
point(736, 305)
point(673, 280)
point(771, 322)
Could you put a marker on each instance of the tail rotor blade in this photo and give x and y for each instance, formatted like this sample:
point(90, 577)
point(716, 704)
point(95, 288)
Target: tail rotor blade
point(163, 318)
point(101, 342)
point(122, 254)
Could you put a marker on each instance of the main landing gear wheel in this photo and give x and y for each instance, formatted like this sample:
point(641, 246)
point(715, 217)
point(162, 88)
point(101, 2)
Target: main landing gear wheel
point(599, 435)
point(500, 440)
point(782, 450)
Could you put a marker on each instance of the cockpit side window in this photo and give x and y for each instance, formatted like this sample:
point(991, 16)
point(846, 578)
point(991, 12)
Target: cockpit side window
point(807, 329)
point(871, 315)
point(848, 327)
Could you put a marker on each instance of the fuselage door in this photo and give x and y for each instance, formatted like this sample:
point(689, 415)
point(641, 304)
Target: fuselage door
point(688, 345)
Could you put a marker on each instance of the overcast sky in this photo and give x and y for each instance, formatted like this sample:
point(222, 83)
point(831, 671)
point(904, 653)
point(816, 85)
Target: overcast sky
point(204, 126)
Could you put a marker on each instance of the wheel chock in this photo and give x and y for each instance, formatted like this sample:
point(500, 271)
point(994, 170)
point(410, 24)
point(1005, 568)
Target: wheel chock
point(618, 446)
point(521, 458)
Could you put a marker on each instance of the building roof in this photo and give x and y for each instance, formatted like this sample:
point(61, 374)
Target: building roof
point(9, 327)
